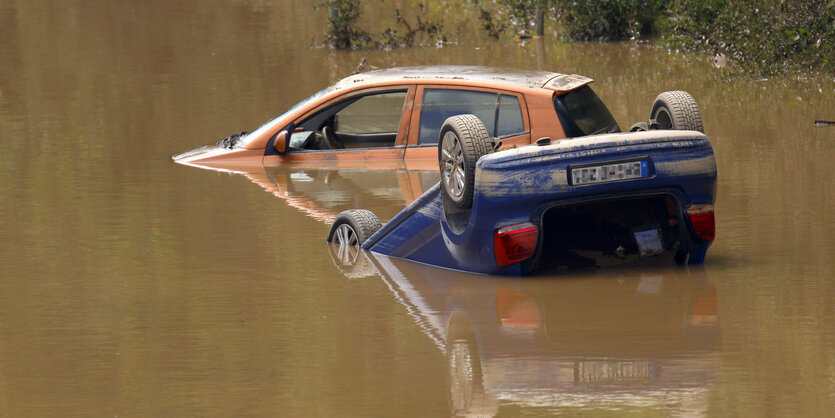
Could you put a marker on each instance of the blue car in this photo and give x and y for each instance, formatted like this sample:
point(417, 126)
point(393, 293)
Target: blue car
point(576, 202)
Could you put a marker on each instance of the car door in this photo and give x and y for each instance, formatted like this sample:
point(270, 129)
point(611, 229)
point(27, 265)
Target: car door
point(503, 113)
point(369, 124)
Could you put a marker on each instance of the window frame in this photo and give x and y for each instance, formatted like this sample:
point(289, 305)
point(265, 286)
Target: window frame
point(401, 134)
point(414, 130)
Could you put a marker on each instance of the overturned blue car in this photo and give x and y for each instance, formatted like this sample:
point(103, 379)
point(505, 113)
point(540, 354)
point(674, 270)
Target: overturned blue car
point(593, 199)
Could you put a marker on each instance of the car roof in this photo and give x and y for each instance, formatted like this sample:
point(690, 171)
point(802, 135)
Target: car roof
point(467, 75)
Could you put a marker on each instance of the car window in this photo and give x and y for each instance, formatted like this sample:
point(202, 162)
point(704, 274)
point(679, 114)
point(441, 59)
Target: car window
point(510, 116)
point(269, 125)
point(377, 113)
point(581, 113)
point(370, 121)
point(439, 104)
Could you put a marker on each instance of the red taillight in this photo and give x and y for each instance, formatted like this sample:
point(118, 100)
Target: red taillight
point(515, 243)
point(703, 221)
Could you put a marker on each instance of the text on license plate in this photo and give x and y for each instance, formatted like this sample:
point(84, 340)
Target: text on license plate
point(609, 172)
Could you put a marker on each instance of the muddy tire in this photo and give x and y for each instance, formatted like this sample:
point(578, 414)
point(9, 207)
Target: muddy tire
point(463, 140)
point(677, 110)
point(353, 227)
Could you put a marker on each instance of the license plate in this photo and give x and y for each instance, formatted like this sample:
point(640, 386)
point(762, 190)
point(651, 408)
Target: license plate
point(613, 371)
point(606, 173)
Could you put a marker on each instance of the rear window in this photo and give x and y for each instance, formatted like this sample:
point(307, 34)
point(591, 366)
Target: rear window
point(582, 113)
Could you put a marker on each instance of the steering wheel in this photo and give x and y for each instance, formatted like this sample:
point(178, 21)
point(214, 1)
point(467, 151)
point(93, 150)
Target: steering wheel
point(330, 138)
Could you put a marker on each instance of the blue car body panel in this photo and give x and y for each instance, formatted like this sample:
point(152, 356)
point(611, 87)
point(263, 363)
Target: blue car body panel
point(519, 184)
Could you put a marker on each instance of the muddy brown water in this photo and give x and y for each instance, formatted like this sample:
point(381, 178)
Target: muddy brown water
point(133, 286)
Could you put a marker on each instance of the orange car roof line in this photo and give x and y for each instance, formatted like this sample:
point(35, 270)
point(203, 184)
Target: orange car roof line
point(564, 83)
point(462, 73)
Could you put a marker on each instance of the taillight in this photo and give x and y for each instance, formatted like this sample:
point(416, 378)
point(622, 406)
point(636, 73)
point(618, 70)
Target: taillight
point(515, 243)
point(703, 221)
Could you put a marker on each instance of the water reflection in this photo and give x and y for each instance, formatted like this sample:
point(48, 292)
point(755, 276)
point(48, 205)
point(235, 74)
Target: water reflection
point(322, 190)
point(628, 340)
point(129, 278)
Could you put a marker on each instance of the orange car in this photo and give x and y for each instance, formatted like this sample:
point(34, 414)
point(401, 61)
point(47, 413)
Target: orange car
point(397, 113)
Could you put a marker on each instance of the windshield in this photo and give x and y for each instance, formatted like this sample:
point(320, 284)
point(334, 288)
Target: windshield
point(582, 113)
point(269, 125)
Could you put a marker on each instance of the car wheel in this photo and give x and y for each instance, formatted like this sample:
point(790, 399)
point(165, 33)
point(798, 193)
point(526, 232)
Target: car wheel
point(463, 140)
point(676, 110)
point(353, 227)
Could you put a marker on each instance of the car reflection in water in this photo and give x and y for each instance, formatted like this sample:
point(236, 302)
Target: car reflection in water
point(632, 340)
point(644, 338)
point(322, 190)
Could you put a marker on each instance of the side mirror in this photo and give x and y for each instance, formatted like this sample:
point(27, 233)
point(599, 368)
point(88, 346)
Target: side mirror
point(280, 143)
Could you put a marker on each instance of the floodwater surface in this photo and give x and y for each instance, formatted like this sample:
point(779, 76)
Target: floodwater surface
point(133, 286)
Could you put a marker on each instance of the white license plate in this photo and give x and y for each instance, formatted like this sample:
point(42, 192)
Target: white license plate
point(613, 371)
point(606, 173)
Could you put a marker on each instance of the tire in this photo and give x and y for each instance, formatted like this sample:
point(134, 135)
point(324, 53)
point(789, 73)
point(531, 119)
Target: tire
point(353, 227)
point(463, 140)
point(676, 110)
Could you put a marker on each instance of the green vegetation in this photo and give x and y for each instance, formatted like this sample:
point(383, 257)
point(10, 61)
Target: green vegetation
point(751, 37)
point(609, 20)
point(497, 16)
point(344, 33)
point(391, 38)
point(759, 36)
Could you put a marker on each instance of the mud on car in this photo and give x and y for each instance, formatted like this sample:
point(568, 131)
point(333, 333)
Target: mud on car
point(583, 195)
point(536, 174)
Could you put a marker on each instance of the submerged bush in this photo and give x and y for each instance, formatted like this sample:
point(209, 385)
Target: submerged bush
point(760, 36)
point(754, 36)
point(431, 29)
point(344, 33)
point(609, 20)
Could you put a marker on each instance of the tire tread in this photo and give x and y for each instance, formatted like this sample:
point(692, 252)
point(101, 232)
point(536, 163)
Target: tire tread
point(364, 222)
point(684, 109)
point(475, 143)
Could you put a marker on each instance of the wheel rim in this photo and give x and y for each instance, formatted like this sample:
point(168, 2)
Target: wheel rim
point(453, 164)
point(346, 236)
point(662, 117)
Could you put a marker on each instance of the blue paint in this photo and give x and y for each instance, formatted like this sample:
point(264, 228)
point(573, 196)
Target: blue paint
point(519, 185)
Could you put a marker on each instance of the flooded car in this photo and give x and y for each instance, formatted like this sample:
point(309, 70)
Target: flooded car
point(583, 194)
point(536, 174)
point(397, 113)
point(587, 202)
